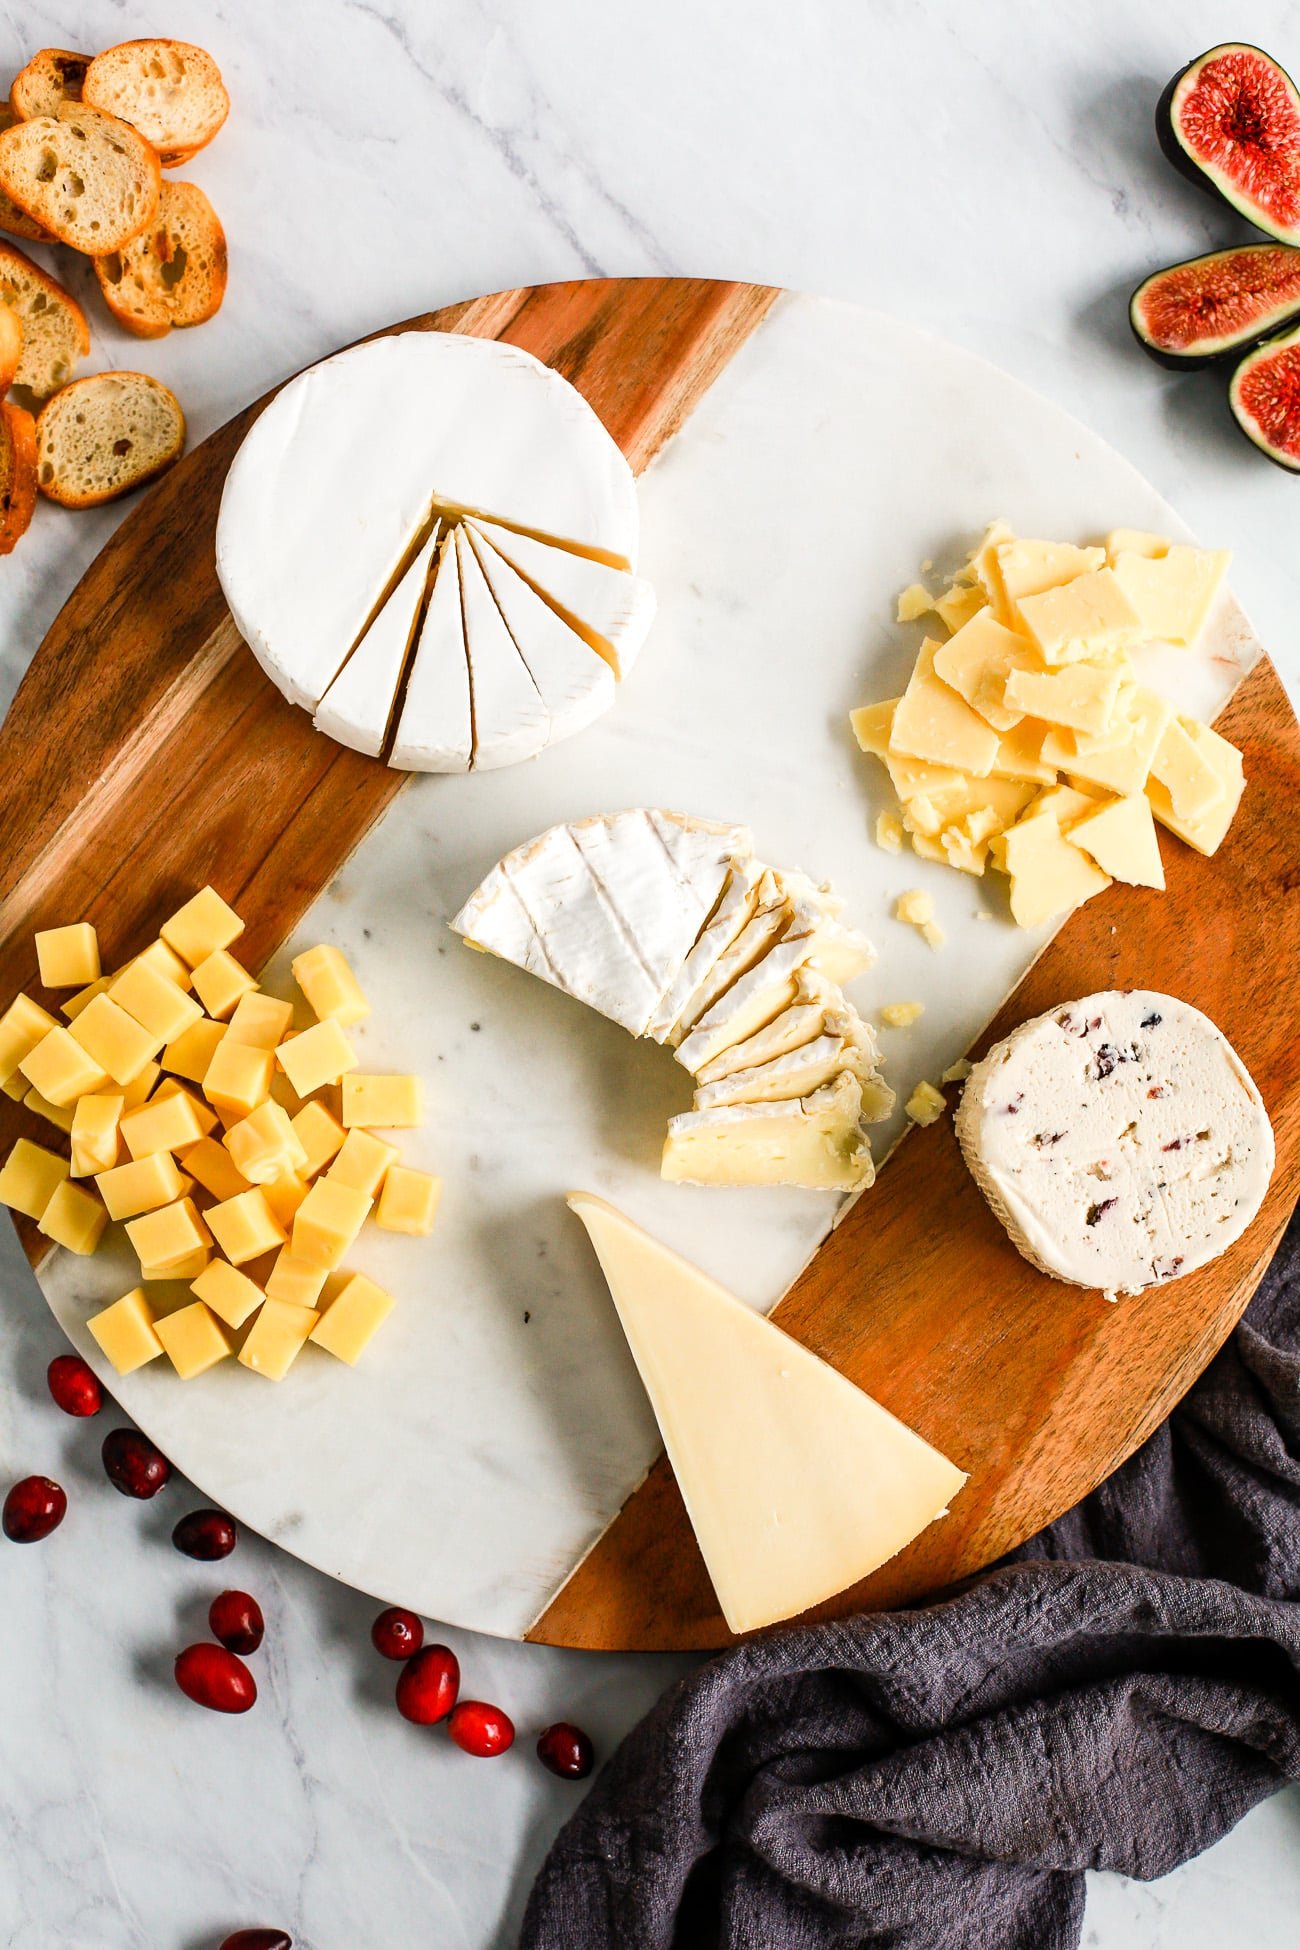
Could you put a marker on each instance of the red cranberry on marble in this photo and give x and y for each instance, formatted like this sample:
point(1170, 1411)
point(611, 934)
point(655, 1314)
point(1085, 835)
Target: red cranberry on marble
point(258, 1940)
point(206, 1534)
point(480, 1729)
point(213, 1677)
point(397, 1633)
point(235, 1617)
point(33, 1508)
point(133, 1465)
point(74, 1385)
point(428, 1684)
point(566, 1750)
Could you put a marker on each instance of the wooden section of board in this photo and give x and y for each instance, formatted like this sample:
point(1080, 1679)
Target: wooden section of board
point(1038, 1389)
point(146, 753)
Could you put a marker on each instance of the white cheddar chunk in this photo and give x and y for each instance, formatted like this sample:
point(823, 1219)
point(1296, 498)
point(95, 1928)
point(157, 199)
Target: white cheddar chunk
point(611, 609)
point(511, 721)
point(574, 683)
point(435, 732)
point(357, 707)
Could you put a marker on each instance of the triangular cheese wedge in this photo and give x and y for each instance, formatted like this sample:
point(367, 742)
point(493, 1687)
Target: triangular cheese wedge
point(797, 1484)
point(435, 732)
point(358, 705)
point(574, 684)
point(510, 720)
point(611, 609)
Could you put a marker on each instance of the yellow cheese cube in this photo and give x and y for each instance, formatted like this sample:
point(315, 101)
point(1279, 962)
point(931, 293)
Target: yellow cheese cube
point(30, 1177)
point(187, 1267)
point(331, 989)
point(1048, 874)
point(128, 1190)
point(154, 1000)
point(238, 1078)
point(16, 1086)
point(170, 1233)
point(205, 1115)
point(295, 1281)
point(1082, 696)
point(203, 925)
point(934, 724)
point(60, 1115)
point(317, 1056)
point(276, 1338)
point(362, 1162)
point(68, 958)
point(245, 1226)
point(1205, 829)
point(409, 1201)
point(395, 1102)
point(165, 961)
point(115, 1040)
point(61, 1069)
point(193, 1338)
point(284, 1195)
point(1121, 838)
point(976, 663)
point(262, 1020)
point(264, 1145)
point(193, 1050)
point(1090, 617)
point(320, 1136)
point(230, 1294)
point(166, 1123)
point(125, 1332)
point(220, 981)
point(1174, 593)
point(351, 1318)
point(95, 1120)
point(214, 1168)
point(327, 1222)
point(74, 1218)
point(74, 1005)
point(140, 1087)
point(22, 1027)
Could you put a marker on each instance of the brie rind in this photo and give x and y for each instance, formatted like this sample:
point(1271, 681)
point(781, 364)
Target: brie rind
point(358, 705)
point(796, 1074)
point(734, 911)
point(766, 924)
point(611, 609)
point(816, 1142)
point(435, 732)
point(816, 1006)
point(510, 720)
point(768, 987)
point(574, 684)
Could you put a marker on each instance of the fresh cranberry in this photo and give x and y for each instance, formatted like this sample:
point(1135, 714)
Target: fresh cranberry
point(566, 1750)
point(397, 1633)
point(133, 1464)
point(428, 1684)
point(74, 1386)
point(33, 1508)
point(481, 1729)
point(212, 1676)
point(236, 1619)
point(258, 1940)
point(206, 1534)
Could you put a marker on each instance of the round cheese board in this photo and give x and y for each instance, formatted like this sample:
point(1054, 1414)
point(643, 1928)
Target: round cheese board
point(493, 1462)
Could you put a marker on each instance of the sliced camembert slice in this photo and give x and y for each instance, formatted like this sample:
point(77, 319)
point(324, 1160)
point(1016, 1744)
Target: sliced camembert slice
point(575, 685)
point(435, 732)
point(796, 1074)
point(611, 609)
point(735, 910)
point(797, 1484)
point(814, 1007)
point(816, 1142)
point(759, 996)
point(511, 721)
point(358, 706)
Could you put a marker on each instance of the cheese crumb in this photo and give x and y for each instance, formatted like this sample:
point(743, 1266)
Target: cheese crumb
point(926, 1105)
point(915, 906)
point(957, 1072)
point(933, 934)
point(914, 601)
point(901, 1015)
point(889, 832)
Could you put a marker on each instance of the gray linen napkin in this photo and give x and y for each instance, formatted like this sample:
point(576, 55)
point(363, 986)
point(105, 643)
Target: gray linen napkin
point(1116, 1696)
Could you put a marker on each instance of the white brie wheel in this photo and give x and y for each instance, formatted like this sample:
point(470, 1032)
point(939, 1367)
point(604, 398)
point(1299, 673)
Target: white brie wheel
point(429, 542)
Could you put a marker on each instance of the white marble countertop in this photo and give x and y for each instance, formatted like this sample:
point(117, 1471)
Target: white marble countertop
point(989, 172)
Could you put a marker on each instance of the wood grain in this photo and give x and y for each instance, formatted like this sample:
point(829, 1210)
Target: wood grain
point(1038, 1389)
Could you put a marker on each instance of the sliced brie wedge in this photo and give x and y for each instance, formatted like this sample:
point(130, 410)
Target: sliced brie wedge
point(510, 720)
point(575, 685)
point(816, 1142)
point(356, 708)
point(610, 609)
point(435, 732)
point(795, 1074)
point(733, 913)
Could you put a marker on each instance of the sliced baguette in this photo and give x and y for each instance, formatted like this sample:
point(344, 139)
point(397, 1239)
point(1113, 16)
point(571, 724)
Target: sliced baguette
point(54, 75)
point(91, 180)
point(55, 333)
point(171, 91)
point(103, 436)
point(16, 221)
point(174, 272)
point(17, 473)
point(11, 346)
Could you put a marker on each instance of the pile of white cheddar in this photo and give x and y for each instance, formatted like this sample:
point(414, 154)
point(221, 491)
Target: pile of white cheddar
point(249, 1185)
point(668, 925)
point(1026, 738)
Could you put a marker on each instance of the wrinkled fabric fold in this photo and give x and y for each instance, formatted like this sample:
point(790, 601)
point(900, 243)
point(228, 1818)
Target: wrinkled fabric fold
point(1115, 1696)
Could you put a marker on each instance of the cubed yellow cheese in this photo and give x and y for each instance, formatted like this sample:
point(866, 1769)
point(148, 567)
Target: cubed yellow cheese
point(125, 1332)
point(68, 958)
point(1134, 541)
point(276, 1338)
point(913, 601)
point(74, 1218)
point(95, 1120)
point(1027, 568)
point(926, 1105)
point(934, 724)
point(901, 1015)
point(203, 925)
point(957, 605)
point(1080, 695)
point(1049, 875)
point(22, 1026)
point(297, 1282)
point(170, 1233)
point(245, 1226)
point(16, 1086)
point(1193, 780)
point(193, 1339)
point(213, 1167)
point(205, 1115)
point(1121, 838)
point(320, 1136)
point(284, 1195)
point(1090, 617)
point(332, 990)
point(155, 1001)
point(192, 1052)
point(140, 1087)
point(889, 832)
point(61, 1069)
point(30, 1177)
point(238, 1078)
point(60, 1115)
point(144, 1186)
point(220, 982)
point(351, 1318)
point(362, 1162)
point(114, 1040)
point(1174, 593)
point(872, 724)
point(187, 1267)
point(264, 1145)
point(317, 1056)
point(976, 663)
point(262, 1020)
point(392, 1102)
point(327, 1222)
point(74, 1005)
point(231, 1295)
point(1205, 829)
point(166, 1123)
point(409, 1201)
point(165, 961)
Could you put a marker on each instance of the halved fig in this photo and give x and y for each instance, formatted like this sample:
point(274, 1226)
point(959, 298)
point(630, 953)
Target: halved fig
point(1231, 122)
point(1216, 304)
point(1265, 398)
